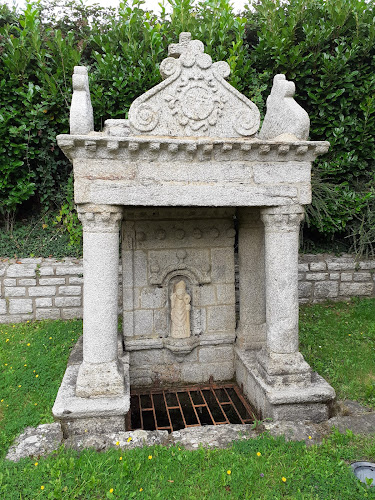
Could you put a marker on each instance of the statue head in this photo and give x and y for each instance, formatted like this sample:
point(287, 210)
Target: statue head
point(180, 289)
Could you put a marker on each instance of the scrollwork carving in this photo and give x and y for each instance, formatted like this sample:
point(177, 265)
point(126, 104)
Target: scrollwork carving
point(146, 118)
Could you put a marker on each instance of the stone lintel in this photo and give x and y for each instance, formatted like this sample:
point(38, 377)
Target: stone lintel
point(185, 194)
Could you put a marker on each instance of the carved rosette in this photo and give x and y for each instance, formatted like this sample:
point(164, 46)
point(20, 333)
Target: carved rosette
point(197, 102)
point(100, 219)
point(282, 219)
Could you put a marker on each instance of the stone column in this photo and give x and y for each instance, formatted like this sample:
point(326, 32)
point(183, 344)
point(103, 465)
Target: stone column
point(251, 333)
point(101, 373)
point(281, 356)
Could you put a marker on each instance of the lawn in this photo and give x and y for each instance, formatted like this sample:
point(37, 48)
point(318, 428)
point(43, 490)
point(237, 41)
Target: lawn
point(338, 340)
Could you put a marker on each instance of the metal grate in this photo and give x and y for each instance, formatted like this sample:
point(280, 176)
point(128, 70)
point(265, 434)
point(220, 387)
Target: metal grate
point(194, 406)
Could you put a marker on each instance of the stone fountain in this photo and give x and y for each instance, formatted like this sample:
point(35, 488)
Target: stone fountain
point(186, 179)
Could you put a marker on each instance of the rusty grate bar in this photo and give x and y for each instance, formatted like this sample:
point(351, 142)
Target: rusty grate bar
point(193, 406)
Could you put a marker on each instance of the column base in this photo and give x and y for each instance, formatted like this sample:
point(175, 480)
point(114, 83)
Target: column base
point(283, 369)
point(97, 415)
point(97, 380)
point(309, 401)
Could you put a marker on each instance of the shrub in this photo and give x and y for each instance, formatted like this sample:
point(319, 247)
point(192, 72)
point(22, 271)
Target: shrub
point(326, 47)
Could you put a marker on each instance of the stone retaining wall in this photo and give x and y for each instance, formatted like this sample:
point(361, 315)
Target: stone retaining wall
point(50, 289)
point(324, 276)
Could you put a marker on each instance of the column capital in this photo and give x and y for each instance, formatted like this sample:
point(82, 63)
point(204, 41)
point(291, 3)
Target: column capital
point(100, 218)
point(282, 218)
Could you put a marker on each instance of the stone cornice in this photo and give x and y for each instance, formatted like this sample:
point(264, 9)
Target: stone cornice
point(153, 148)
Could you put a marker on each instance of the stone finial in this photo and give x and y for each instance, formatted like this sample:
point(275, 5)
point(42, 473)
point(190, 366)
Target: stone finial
point(81, 114)
point(194, 99)
point(284, 115)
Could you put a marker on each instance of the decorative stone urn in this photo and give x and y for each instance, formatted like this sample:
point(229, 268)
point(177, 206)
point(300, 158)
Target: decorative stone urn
point(186, 179)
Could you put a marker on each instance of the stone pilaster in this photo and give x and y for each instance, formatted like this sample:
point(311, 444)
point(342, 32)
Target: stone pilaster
point(279, 361)
point(101, 373)
point(251, 330)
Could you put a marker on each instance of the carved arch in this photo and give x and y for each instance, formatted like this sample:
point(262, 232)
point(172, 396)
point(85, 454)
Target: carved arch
point(195, 276)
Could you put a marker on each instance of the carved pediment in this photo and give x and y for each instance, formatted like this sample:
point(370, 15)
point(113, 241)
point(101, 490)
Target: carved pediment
point(194, 99)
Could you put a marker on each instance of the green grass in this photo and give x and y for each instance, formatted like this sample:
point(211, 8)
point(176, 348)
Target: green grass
point(337, 340)
point(33, 359)
point(174, 473)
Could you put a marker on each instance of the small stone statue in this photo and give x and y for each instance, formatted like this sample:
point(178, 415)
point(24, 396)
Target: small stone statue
point(180, 311)
point(284, 115)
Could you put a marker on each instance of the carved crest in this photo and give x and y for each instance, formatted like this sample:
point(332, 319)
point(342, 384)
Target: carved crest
point(194, 99)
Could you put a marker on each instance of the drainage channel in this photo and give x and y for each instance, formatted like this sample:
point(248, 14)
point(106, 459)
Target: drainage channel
point(193, 406)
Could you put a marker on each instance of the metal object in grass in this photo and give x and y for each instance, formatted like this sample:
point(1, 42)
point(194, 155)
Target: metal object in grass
point(365, 472)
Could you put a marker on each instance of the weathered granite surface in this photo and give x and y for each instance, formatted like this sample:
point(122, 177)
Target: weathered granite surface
point(36, 441)
point(44, 439)
point(176, 172)
point(284, 117)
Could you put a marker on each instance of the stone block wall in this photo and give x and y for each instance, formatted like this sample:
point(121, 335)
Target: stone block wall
point(322, 277)
point(40, 289)
point(49, 289)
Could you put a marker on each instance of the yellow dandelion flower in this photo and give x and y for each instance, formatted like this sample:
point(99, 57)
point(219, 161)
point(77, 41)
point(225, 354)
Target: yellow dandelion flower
point(111, 490)
point(13, 326)
point(36, 463)
point(28, 344)
point(50, 338)
point(140, 489)
point(24, 365)
point(35, 404)
point(6, 364)
point(42, 487)
point(1, 400)
point(229, 472)
point(28, 321)
point(7, 340)
point(310, 437)
point(120, 458)
point(259, 454)
point(349, 334)
point(129, 439)
point(20, 386)
point(36, 376)
point(33, 371)
point(150, 457)
point(283, 479)
point(117, 443)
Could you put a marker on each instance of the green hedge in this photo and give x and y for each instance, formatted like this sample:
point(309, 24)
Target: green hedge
point(325, 46)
